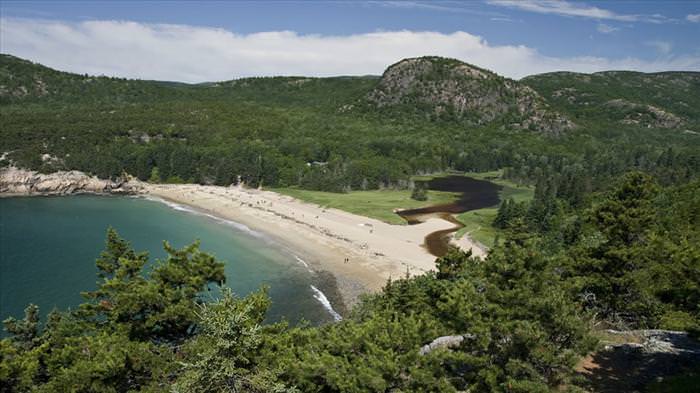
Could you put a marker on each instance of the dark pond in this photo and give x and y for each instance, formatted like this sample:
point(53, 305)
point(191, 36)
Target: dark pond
point(475, 194)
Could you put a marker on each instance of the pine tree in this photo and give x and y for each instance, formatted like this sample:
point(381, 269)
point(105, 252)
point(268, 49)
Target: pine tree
point(419, 193)
point(503, 215)
point(160, 306)
point(24, 332)
point(223, 356)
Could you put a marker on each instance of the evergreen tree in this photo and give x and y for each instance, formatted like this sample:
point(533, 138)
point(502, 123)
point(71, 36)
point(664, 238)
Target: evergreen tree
point(609, 268)
point(24, 332)
point(157, 307)
point(503, 214)
point(419, 192)
point(222, 358)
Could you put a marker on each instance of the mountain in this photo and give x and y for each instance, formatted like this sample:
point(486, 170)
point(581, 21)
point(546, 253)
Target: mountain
point(664, 100)
point(423, 115)
point(430, 87)
point(449, 88)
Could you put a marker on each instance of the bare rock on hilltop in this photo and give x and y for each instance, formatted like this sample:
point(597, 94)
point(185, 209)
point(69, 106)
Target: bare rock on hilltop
point(448, 88)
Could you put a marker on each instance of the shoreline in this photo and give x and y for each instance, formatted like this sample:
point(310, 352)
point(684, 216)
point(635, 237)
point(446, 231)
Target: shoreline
point(344, 291)
point(360, 253)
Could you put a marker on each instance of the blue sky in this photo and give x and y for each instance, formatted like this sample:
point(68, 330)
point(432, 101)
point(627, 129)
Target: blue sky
point(330, 38)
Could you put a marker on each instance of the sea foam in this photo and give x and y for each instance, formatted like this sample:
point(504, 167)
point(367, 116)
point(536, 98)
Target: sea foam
point(321, 297)
point(303, 262)
point(187, 209)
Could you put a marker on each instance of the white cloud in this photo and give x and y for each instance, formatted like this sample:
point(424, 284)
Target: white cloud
point(662, 47)
point(565, 8)
point(695, 18)
point(502, 19)
point(606, 29)
point(197, 54)
point(450, 7)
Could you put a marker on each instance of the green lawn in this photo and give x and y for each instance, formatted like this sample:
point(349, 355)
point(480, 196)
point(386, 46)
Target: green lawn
point(477, 224)
point(379, 204)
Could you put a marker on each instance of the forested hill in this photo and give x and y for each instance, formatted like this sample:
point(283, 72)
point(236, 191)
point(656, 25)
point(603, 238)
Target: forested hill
point(659, 100)
point(609, 239)
point(22, 81)
point(346, 133)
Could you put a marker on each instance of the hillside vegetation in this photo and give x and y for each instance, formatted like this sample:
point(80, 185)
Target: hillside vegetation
point(599, 226)
point(423, 115)
point(666, 100)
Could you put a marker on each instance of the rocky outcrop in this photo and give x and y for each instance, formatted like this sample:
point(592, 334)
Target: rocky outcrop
point(630, 360)
point(445, 342)
point(655, 341)
point(648, 116)
point(448, 88)
point(15, 181)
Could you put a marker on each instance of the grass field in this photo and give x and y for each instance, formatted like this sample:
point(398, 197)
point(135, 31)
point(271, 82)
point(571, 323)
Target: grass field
point(379, 204)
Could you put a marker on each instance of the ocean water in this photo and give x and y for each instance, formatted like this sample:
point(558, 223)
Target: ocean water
point(48, 247)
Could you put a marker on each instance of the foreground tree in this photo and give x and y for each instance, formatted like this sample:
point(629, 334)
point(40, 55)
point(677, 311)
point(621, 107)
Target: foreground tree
point(222, 358)
point(160, 307)
point(606, 269)
point(124, 338)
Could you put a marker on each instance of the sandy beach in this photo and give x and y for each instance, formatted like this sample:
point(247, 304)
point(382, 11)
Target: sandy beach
point(362, 253)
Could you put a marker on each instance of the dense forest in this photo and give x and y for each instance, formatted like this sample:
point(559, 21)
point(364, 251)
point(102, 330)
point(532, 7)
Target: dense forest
point(349, 133)
point(609, 239)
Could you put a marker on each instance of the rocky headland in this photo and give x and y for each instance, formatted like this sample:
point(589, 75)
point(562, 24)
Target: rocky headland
point(16, 181)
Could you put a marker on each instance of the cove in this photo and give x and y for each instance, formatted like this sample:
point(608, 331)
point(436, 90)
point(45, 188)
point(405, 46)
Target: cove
point(48, 247)
point(474, 194)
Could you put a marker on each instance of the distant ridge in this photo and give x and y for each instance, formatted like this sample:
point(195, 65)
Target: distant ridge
point(432, 88)
point(669, 100)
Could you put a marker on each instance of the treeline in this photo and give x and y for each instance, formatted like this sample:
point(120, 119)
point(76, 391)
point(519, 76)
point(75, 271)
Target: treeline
point(517, 321)
point(220, 143)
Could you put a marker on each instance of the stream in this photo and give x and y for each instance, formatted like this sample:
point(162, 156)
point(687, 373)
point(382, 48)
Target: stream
point(475, 194)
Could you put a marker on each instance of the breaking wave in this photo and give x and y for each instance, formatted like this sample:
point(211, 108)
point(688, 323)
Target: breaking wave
point(321, 297)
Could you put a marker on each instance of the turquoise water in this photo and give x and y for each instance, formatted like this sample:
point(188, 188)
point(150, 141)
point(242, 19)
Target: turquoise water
point(48, 247)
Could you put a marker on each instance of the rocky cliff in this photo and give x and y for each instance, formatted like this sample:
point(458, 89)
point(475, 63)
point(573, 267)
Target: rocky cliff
point(15, 181)
point(450, 89)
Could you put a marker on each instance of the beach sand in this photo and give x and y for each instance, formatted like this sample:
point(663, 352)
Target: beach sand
point(361, 253)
